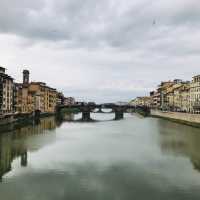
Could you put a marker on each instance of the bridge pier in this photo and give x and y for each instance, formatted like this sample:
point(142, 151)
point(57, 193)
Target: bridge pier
point(100, 110)
point(112, 111)
point(86, 116)
point(24, 159)
point(119, 115)
point(37, 114)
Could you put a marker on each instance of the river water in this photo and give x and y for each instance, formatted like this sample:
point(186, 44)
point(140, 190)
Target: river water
point(135, 158)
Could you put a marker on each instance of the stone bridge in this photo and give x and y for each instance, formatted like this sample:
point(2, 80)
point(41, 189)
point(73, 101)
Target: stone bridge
point(87, 109)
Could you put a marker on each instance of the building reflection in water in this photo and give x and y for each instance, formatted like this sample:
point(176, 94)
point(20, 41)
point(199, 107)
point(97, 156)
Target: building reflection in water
point(180, 140)
point(13, 144)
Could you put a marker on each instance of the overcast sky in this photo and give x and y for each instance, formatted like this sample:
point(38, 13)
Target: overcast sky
point(104, 50)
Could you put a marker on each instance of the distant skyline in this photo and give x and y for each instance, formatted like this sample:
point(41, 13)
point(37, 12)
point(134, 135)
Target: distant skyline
point(101, 50)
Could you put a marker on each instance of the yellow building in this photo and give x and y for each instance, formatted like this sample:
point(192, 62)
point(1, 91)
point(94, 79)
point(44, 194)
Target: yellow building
point(50, 98)
point(141, 101)
point(44, 97)
point(172, 95)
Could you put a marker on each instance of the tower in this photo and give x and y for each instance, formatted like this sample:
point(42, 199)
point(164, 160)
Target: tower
point(26, 77)
point(2, 70)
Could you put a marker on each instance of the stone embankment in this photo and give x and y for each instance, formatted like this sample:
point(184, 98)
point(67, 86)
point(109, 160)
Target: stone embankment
point(8, 119)
point(184, 118)
point(21, 118)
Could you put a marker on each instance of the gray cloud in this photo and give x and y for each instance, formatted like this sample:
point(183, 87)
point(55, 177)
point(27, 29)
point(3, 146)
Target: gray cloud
point(107, 46)
point(105, 22)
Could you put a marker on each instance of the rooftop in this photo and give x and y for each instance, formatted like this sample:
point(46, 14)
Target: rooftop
point(197, 76)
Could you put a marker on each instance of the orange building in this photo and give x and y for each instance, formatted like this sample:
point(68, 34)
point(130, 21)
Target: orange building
point(34, 96)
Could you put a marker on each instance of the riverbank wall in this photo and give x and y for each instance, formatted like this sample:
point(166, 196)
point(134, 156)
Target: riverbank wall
point(144, 111)
point(183, 118)
point(6, 119)
point(21, 118)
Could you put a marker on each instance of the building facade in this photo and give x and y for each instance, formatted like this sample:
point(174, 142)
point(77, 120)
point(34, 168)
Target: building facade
point(155, 99)
point(181, 98)
point(32, 96)
point(28, 97)
point(6, 93)
point(172, 96)
point(24, 101)
point(44, 97)
point(195, 95)
point(60, 99)
point(69, 101)
point(141, 101)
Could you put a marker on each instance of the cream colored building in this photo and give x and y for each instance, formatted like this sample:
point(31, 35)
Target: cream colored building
point(163, 91)
point(185, 93)
point(155, 99)
point(174, 95)
point(195, 95)
point(69, 101)
point(6, 92)
point(182, 98)
point(142, 101)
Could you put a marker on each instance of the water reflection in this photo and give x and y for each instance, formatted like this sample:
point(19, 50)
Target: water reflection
point(180, 140)
point(136, 158)
point(15, 143)
point(8, 152)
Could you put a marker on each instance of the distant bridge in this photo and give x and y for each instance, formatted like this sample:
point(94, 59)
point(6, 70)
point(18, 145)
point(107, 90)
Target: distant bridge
point(87, 109)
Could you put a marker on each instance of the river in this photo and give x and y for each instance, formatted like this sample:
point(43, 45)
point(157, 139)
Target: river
point(135, 158)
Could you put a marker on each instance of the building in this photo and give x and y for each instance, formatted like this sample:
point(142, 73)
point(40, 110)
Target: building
point(162, 93)
point(24, 102)
point(195, 95)
point(50, 99)
point(69, 101)
point(44, 97)
point(6, 92)
point(142, 101)
point(181, 97)
point(155, 99)
point(185, 95)
point(170, 98)
point(173, 94)
point(60, 99)
point(32, 96)
point(176, 96)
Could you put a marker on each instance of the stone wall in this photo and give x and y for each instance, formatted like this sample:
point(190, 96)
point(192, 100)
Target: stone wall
point(186, 118)
point(6, 120)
